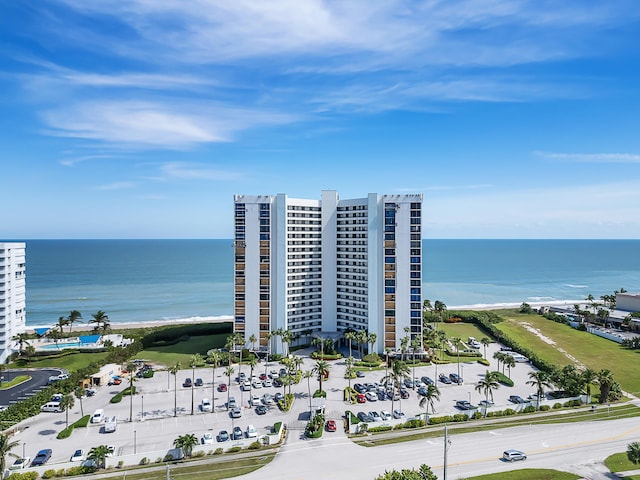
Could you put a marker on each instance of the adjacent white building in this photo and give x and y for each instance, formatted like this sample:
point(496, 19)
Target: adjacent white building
point(329, 265)
point(12, 296)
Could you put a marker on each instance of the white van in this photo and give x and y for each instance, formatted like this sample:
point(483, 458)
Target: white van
point(110, 424)
point(98, 416)
point(51, 407)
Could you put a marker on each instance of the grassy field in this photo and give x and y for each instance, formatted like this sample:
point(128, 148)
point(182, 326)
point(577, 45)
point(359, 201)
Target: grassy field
point(71, 362)
point(528, 474)
point(182, 351)
point(211, 471)
point(618, 462)
point(462, 330)
point(590, 350)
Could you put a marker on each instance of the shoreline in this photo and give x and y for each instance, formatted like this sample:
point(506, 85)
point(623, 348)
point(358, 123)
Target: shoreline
point(229, 318)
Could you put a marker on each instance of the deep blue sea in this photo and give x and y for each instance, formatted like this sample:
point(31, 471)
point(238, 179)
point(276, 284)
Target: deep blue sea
point(148, 280)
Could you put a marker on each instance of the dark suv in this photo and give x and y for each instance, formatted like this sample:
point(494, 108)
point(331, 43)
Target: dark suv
point(42, 457)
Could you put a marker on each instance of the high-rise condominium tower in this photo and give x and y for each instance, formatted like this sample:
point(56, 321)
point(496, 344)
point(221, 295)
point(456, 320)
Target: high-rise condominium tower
point(12, 295)
point(328, 266)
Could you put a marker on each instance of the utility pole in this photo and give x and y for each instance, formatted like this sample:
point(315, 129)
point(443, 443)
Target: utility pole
point(447, 444)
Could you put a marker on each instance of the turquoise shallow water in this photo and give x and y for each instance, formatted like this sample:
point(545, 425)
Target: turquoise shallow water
point(147, 280)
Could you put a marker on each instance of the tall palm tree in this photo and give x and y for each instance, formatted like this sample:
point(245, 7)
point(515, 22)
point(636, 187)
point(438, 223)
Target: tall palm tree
point(499, 356)
point(428, 400)
point(485, 341)
point(588, 377)
point(605, 379)
point(404, 342)
point(66, 403)
point(23, 339)
point(361, 338)
point(286, 337)
point(228, 372)
point(55, 335)
point(213, 357)
point(509, 362)
point(426, 307)
point(399, 371)
point(350, 335)
point(349, 362)
point(486, 385)
point(442, 338)
point(99, 455)
point(321, 369)
point(439, 308)
point(633, 452)
point(195, 360)
point(416, 344)
point(74, 317)
point(79, 393)
point(62, 322)
point(101, 320)
point(308, 374)
point(186, 443)
point(5, 447)
point(174, 369)
point(30, 351)
point(539, 380)
point(252, 341)
point(371, 340)
point(253, 361)
point(131, 369)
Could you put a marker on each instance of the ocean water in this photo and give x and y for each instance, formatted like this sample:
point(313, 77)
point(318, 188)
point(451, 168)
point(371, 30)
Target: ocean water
point(149, 280)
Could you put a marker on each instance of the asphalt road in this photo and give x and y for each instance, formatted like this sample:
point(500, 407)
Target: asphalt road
point(39, 379)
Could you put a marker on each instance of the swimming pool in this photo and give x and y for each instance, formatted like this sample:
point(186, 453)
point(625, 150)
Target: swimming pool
point(60, 346)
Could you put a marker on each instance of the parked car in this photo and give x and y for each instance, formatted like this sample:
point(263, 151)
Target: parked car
point(422, 391)
point(385, 415)
point(464, 405)
point(254, 401)
point(263, 376)
point(408, 383)
point(245, 386)
point(235, 412)
point(223, 436)
point(278, 397)
point(516, 399)
point(231, 403)
point(199, 382)
point(393, 395)
point(397, 414)
point(261, 410)
point(331, 426)
point(256, 384)
point(273, 374)
point(375, 415)
point(20, 463)
point(237, 434)
point(205, 405)
point(359, 374)
point(358, 387)
point(404, 394)
point(427, 380)
point(42, 457)
point(381, 396)
point(207, 438)
point(444, 378)
point(485, 403)
point(364, 417)
point(251, 432)
point(111, 450)
point(267, 383)
point(360, 398)
point(78, 456)
point(455, 378)
point(513, 455)
point(222, 387)
point(187, 383)
point(371, 396)
point(267, 399)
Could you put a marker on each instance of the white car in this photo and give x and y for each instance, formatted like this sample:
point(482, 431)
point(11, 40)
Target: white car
point(112, 450)
point(257, 384)
point(251, 432)
point(398, 414)
point(274, 374)
point(207, 439)
point(267, 383)
point(385, 415)
point(205, 405)
point(254, 401)
point(371, 396)
point(78, 455)
point(20, 463)
point(267, 399)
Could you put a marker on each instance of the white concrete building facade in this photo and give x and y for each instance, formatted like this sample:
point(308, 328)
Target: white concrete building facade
point(12, 296)
point(329, 265)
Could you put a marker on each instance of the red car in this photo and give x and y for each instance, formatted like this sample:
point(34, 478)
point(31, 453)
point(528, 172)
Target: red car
point(331, 426)
point(222, 387)
point(263, 376)
point(361, 398)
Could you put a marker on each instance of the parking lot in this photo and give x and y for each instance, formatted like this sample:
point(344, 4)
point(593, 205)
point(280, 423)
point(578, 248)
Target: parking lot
point(154, 425)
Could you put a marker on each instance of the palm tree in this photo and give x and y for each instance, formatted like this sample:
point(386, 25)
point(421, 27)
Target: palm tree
point(253, 361)
point(349, 362)
point(74, 317)
point(442, 337)
point(509, 362)
point(426, 307)
point(371, 339)
point(633, 452)
point(79, 393)
point(433, 394)
point(5, 447)
point(186, 443)
point(66, 403)
point(62, 322)
point(131, 369)
point(485, 341)
point(487, 385)
point(228, 372)
point(605, 379)
point(30, 351)
point(404, 342)
point(588, 377)
point(101, 319)
point(287, 337)
point(416, 343)
point(23, 339)
point(351, 336)
point(308, 374)
point(99, 455)
point(253, 340)
point(457, 342)
point(399, 371)
point(174, 369)
point(499, 356)
point(213, 357)
point(55, 335)
point(321, 369)
point(439, 308)
point(539, 380)
point(361, 338)
point(196, 360)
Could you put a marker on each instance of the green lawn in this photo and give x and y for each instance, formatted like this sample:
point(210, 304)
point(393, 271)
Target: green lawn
point(462, 330)
point(591, 350)
point(15, 381)
point(618, 462)
point(528, 474)
point(182, 351)
point(70, 362)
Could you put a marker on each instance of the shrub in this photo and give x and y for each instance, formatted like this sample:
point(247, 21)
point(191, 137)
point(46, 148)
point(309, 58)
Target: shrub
point(452, 320)
point(545, 408)
point(573, 403)
point(483, 361)
point(372, 358)
point(23, 476)
point(49, 473)
point(381, 429)
point(557, 405)
point(66, 433)
point(148, 373)
point(159, 460)
point(414, 423)
point(255, 446)
point(60, 472)
point(529, 409)
point(439, 420)
point(117, 398)
point(79, 470)
point(218, 451)
point(83, 422)
point(168, 458)
point(508, 411)
point(276, 426)
point(198, 454)
point(353, 420)
point(477, 415)
point(234, 449)
point(460, 417)
point(503, 379)
point(319, 393)
point(120, 464)
point(145, 461)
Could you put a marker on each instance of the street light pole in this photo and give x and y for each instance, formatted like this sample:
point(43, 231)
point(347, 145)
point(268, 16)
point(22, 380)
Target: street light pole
point(23, 455)
point(447, 444)
point(134, 443)
point(142, 413)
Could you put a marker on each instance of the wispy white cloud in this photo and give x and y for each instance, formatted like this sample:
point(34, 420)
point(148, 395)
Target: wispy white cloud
point(116, 186)
point(71, 161)
point(591, 157)
point(154, 125)
point(195, 171)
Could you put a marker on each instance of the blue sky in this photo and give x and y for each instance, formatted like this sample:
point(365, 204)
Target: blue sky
point(141, 119)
